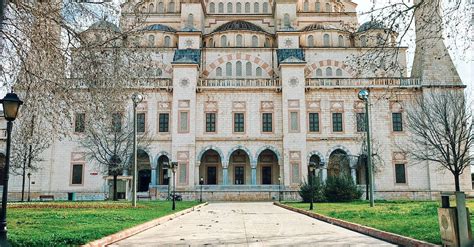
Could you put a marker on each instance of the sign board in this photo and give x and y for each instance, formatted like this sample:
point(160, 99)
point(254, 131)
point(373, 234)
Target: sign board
point(447, 226)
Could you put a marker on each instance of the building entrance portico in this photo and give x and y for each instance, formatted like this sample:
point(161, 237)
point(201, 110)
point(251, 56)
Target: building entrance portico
point(239, 168)
point(211, 168)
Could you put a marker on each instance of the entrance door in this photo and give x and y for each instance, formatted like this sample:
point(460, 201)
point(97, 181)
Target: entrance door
point(267, 175)
point(144, 179)
point(211, 175)
point(239, 175)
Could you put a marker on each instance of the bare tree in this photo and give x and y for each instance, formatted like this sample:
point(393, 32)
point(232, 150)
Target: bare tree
point(442, 131)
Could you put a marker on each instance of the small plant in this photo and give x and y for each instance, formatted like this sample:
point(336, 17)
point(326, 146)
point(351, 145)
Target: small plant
point(341, 189)
point(318, 191)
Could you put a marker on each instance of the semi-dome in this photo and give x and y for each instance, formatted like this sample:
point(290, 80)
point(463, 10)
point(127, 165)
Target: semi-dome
point(159, 27)
point(239, 25)
point(318, 26)
point(371, 25)
point(105, 25)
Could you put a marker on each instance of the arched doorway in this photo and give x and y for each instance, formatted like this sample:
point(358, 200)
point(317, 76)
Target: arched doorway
point(144, 171)
point(239, 168)
point(162, 172)
point(268, 170)
point(317, 160)
point(338, 164)
point(211, 167)
point(2, 167)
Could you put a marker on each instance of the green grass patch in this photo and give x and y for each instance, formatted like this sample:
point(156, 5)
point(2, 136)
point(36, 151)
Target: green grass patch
point(76, 223)
point(414, 219)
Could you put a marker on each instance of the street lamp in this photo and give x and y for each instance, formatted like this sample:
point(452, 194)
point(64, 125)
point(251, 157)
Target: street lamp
point(312, 167)
point(29, 186)
point(201, 182)
point(167, 177)
point(364, 96)
point(11, 103)
point(136, 98)
point(279, 188)
point(173, 167)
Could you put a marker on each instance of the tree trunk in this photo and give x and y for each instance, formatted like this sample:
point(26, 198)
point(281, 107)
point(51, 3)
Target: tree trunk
point(23, 182)
point(456, 182)
point(115, 188)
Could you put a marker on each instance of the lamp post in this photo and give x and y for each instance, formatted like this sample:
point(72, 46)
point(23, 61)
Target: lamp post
point(201, 182)
point(11, 103)
point(166, 176)
point(29, 186)
point(136, 98)
point(174, 165)
point(279, 188)
point(364, 96)
point(312, 167)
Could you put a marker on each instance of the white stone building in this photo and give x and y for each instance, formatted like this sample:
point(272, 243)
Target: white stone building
point(245, 93)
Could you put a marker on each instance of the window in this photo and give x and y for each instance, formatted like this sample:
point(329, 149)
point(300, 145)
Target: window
point(328, 7)
point(141, 124)
point(363, 41)
point(212, 8)
point(221, 8)
point(248, 69)
point(328, 71)
point(151, 8)
point(267, 122)
point(256, 7)
point(317, 7)
point(163, 122)
point(238, 68)
point(219, 71)
point(286, 21)
point(161, 7)
point(239, 122)
point(167, 41)
point(238, 40)
point(228, 69)
point(230, 8)
point(211, 42)
point(340, 41)
point(265, 8)
point(80, 122)
point(258, 72)
point(238, 8)
point(400, 174)
point(210, 122)
point(171, 6)
point(151, 40)
point(360, 120)
point(247, 7)
point(337, 122)
point(183, 121)
point(117, 121)
point(306, 6)
point(267, 43)
point(397, 121)
point(310, 41)
point(254, 41)
point(190, 21)
point(338, 72)
point(326, 41)
point(319, 72)
point(294, 122)
point(313, 122)
point(77, 174)
point(223, 41)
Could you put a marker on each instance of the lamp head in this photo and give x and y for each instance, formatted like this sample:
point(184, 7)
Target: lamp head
point(363, 94)
point(137, 98)
point(11, 104)
point(312, 166)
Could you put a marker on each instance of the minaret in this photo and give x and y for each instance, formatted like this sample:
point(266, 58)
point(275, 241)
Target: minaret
point(432, 62)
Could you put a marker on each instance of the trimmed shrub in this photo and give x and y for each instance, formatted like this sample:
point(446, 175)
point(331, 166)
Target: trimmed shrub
point(318, 194)
point(341, 189)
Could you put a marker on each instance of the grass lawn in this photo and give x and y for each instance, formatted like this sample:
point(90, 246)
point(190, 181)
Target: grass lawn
point(418, 220)
point(75, 223)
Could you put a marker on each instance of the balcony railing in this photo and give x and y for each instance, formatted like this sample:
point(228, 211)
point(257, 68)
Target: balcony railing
point(239, 84)
point(142, 83)
point(362, 82)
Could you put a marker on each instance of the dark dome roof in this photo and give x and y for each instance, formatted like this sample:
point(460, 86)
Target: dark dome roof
point(105, 25)
point(239, 25)
point(318, 26)
point(159, 27)
point(371, 25)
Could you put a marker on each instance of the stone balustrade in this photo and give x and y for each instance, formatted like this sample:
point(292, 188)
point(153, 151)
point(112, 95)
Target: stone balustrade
point(239, 83)
point(142, 83)
point(362, 82)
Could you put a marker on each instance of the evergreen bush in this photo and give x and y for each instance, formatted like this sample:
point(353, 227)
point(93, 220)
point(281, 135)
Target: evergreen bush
point(341, 189)
point(318, 194)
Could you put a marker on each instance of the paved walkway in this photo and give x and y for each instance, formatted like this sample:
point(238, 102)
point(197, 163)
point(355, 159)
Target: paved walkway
point(248, 224)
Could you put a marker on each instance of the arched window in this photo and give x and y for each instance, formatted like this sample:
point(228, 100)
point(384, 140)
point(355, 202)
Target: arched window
point(238, 8)
point(228, 69)
point(159, 72)
point(248, 69)
point(306, 6)
point(319, 72)
point(267, 43)
point(338, 72)
point(221, 8)
point(286, 20)
point(161, 7)
point(167, 41)
point(151, 40)
point(256, 7)
point(190, 21)
point(212, 8)
point(326, 40)
point(328, 71)
point(211, 42)
point(238, 40)
point(151, 8)
point(258, 71)
point(340, 41)
point(223, 41)
point(328, 7)
point(171, 6)
point(254, 41)
point(310, 41)
point(363, 41)
point(230, 8)
point(238, 68)
point(247, 7)
point(219, 71)
point(317, 7)
point(265, 7)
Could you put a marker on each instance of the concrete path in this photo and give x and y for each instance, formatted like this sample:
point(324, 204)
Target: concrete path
point(248, 224)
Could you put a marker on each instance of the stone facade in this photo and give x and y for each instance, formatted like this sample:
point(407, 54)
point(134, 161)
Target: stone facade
point(256, 90)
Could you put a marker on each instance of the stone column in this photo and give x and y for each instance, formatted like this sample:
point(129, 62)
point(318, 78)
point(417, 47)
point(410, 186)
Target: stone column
point(153, 176)
point(354, 175)
point(254, 175)
point(325, 172)
point(225, 173)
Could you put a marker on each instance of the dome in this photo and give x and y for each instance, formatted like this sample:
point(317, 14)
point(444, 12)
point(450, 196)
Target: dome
point(371, 25)
point(318, 26)
point(159, 27)
point(105, 25)
point(239, 25)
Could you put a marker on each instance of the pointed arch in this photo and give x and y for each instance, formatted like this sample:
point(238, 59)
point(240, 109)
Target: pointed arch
point(271, 148)
point(205, 149)
point(243, 148)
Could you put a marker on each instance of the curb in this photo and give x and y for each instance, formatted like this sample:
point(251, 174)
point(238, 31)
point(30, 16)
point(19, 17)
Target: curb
point(383, 235)
point(140, 228)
